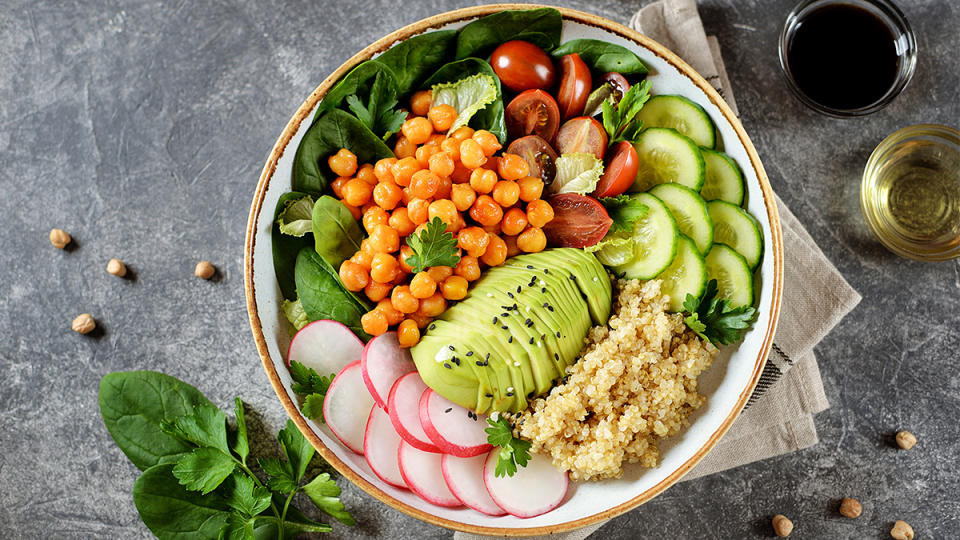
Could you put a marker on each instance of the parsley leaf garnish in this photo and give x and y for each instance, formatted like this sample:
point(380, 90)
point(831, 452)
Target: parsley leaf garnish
point(620, 121)
point(434, 246)
point(624, 211)
point(712, 318)
point(379, 114)
point(513, 451)
point(313, 386)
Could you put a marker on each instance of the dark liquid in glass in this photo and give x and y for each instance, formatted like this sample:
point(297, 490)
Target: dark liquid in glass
point(843, 57)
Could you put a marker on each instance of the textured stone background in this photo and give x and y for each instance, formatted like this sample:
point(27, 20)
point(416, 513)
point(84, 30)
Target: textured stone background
point(141, 128)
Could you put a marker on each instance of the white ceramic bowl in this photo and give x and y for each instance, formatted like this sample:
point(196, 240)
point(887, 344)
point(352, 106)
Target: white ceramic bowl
point(727, 384)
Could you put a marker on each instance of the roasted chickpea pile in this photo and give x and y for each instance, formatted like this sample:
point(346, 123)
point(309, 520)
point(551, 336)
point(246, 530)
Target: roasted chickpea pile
point(489, 202)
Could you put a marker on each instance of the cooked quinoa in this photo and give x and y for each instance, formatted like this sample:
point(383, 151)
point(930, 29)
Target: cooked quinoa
point(635, 383)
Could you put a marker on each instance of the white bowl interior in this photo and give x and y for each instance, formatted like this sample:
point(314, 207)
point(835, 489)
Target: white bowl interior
point(728, 377)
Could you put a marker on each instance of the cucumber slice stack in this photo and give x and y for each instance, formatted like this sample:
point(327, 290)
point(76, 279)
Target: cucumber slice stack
point(654, 241)
point(681, 114)
point(690, 211)
point(687, 274)
point(724, 179)
point(668, 156)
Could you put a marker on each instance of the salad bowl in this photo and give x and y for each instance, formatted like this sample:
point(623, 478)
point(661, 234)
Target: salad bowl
point(727, 385)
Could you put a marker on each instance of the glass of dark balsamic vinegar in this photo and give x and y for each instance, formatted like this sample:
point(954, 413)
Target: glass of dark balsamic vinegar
point(847, 58)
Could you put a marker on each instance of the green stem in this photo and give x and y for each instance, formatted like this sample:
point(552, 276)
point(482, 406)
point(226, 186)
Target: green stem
point(286, 505)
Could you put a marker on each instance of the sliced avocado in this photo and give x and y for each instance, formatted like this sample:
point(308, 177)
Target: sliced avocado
point(460, 384)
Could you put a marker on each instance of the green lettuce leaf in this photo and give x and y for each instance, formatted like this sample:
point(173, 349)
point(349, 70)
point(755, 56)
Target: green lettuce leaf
point(297, 218)
point(576, 173)
point(295, 313)
point(467, 96)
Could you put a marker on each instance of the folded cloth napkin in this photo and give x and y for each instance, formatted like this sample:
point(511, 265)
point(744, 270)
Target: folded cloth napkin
point(779, 416)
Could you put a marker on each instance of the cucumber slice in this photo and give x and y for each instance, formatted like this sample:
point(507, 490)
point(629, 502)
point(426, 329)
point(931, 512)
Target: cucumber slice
point(654, 241)
point(681, 114)
point(734, 279)
point(724, 178)
point(667, 156)
point(687, 274)
point(690, 211)
point(736, 228)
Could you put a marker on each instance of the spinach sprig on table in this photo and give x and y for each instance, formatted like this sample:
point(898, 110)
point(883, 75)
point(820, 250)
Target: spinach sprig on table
point(198, 480)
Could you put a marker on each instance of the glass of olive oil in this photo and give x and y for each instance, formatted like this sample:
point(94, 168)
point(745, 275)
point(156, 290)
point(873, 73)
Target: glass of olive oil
point(910, 193)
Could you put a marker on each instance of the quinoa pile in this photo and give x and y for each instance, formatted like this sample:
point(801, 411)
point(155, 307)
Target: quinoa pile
point(635, 383)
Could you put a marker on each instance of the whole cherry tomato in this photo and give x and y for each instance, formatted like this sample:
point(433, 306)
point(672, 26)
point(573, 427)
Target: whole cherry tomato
point(521, 65)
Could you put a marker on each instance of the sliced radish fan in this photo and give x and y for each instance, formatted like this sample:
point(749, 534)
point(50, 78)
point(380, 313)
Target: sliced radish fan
point(404, 408)
point(383, 363)
point(421, 471)
point(533, 490)
point(380, 446)
point(464, 477)
point(346, 407)
point(452, 428)
point(326, 346)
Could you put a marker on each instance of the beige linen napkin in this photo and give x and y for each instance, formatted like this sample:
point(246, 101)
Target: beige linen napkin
point(779, 416)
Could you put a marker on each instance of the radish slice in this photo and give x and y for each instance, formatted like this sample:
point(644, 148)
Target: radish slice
point(452, 428)
point(421, 472)
point(384, 362)
point(535, 489)
point(403, 404)
point(464, 477)
point(326, 346)
point(380, 446)
point(346, 407)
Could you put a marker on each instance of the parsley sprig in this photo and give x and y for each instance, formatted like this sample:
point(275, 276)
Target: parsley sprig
point(712, 318)
point(434, 246)
point(313, 386)
point(620, 121)
point(624, 211)
point(513, 451)
point(379, 114)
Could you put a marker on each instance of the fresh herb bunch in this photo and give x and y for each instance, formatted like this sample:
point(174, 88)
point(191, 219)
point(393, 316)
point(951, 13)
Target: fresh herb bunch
point(379, 113)
point(712, 318)
point(313, 386)
point(197, 482)
point(624, 211)
point(513, 451)
point(434, 246)
point(620, 121)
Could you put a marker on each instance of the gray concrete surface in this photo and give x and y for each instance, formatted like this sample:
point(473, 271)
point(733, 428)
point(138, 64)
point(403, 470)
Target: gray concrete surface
point(141, 128)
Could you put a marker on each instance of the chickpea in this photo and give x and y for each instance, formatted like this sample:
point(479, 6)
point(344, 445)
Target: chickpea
point(850, 508)
point(460, 174)
point(385, 306)
point(343, 163)
point(337, 185)
point(512, 248)
point(441, 164)
point(462, 133)
point(506, 193)
point(433, 305)
point(486, 211)
point(403, 300)
point(116, 268)
point(405, 252)
point(468, 268)
point(384, 239)
point(365, 173)
point(404, 148)
point(462, 196)
point(422, 285)
point(357, 192)
point(445, 188)
point(496, 252)
point(473, 240)
point(906, 440)
point(418, 210)
point(531, 188)
point(451, 147)
point(408, 334)
point(454, 288)
point(382, 169)
point(424, 152)
point(374, 216)
point(424, 184)
point(440, 273)
point(363, 258)
point(513, 167)
point(403, 170)
point(471, 154)
point(384, 268)
point(83, 324)
point(374, 322)
point(353, 276)
point(539, 213)
point(514, 222)
point(420, 102)
point(532, 240)
point(483, 180)
point(782, 526)
point(400, 220)
point(446, 211)
point(377, 291)
point(487, 141)
point(442, 116)
point(387, 195)
point(902, 531)
point(421, 321)
point(417, 130)
point(59, 238)
point(204, 270)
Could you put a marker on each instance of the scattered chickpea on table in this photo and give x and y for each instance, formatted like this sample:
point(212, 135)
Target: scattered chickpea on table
point(782, 526)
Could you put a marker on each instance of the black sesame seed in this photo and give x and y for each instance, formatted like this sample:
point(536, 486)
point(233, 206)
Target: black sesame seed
point(529, 267)
point(509, 394)
point(546, 270)
point(528, 322)
point(510, 339)
point(494, 320)
point(531, 341)
point(479, 363)
point(583, 295)
point(448, 410)
point(488, 356)
point(518, 289)
point(451, 347)
point(448, 366)
point(504, 327)
point(573, 277)
point(556, 356)
point(433, 327)
point(489, 395)
point(530, 395)
point(510, 294)
point(469, 353)
point(550, 308)
point(543, 289)
point(455, 360)
point(558, 333)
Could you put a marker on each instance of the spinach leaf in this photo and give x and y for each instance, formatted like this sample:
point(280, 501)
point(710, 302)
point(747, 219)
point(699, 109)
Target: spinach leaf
point(171, 511)
point(356, 83)
point(603, 57)
point(324, 297)
point(539, 26)
point(334, 130)
point(490, 117)
point(411, 61)
point(336, 234)
point(134, 405)
point(286, 247)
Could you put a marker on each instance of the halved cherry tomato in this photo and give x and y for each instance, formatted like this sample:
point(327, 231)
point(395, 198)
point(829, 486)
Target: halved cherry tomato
point(521, 65)
point(575, 86)
point(620, 170)
point(582, 134)
point(618, 82)
point(533, 112)
point(539, 155)
point(578, 221)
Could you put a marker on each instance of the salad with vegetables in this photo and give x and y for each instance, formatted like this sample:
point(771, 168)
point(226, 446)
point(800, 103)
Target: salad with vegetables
point(458, 207)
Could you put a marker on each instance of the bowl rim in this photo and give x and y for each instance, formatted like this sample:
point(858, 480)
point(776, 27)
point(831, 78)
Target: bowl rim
point(381, 45)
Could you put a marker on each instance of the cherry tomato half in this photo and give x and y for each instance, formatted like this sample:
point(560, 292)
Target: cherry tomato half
point(619, 172)
point(521, 65)
point(578, 221)
point(539, 155)
point(582, 134)
point(533, 112)
point(575, 86)
point(618, 82)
